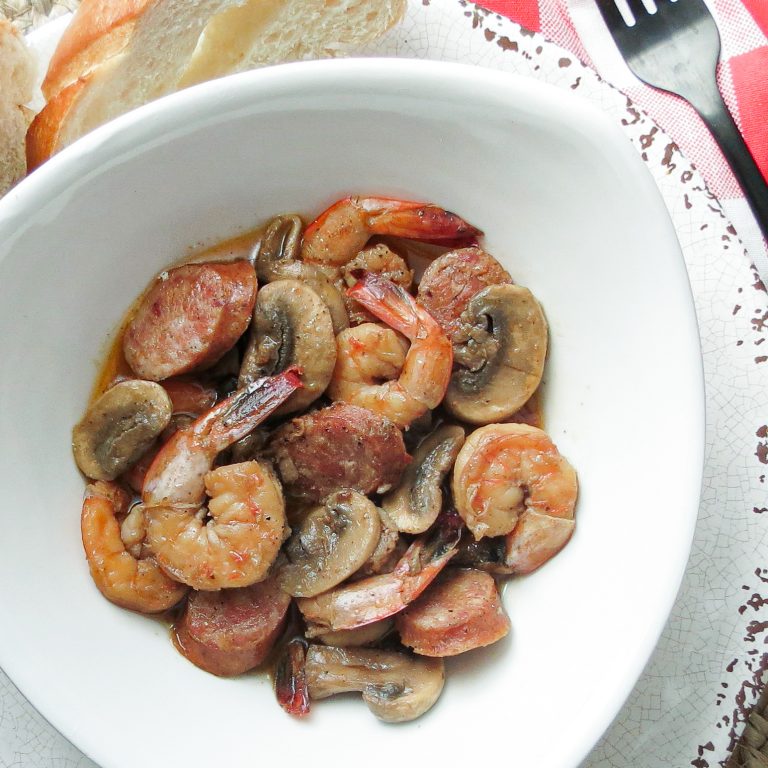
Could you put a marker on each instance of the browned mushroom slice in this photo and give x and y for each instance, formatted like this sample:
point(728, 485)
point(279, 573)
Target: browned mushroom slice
point(321, 281)
point(389, 550)
point(396, 687)
point(291, 326)
point(275, 257)
point(352, 638)
point(415, 504)
point(377, 597)
point(119, 427)
point(279, 245)
point(505, 342)
point(330, 544)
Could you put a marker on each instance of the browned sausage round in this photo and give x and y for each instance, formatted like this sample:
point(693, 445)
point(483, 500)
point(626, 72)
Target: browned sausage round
point(343, 446)
point(233, 630)
point(190, 318)
point(452, 279)
point(460, 611)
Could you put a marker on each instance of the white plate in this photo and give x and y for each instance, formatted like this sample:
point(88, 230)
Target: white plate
point(571, 211)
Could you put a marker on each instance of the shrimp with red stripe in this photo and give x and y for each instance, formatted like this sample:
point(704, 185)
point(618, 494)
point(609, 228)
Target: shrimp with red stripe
point(233, 541)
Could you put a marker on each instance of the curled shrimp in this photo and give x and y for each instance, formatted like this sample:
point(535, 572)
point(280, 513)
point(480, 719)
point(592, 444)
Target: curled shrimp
point(337, 234)
point(377, 597)
point(235, 539)
point(365, 357)
point(127, 580)
point(510, 480)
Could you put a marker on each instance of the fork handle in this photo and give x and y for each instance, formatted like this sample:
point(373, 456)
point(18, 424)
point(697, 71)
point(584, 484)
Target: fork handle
point(720, 123)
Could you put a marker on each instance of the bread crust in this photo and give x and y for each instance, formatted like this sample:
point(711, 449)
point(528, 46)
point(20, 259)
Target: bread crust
point(99, 29)
point(16, 85)
point(43, 133)
point(118, 54)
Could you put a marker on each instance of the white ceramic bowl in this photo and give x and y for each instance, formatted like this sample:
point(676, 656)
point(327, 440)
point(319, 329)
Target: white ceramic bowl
point(568, 208)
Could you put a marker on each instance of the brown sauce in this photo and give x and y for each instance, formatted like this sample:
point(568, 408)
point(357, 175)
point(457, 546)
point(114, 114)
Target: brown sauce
point(114, 367)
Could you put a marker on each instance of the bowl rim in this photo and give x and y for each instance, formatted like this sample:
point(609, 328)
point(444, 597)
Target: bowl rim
point(113, 142)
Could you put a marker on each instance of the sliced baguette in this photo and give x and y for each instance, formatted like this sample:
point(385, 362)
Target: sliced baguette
point(99, 30)
point(119, 54)
point(17, 77)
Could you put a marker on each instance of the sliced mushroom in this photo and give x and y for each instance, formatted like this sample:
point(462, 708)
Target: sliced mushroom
point(322, 284)
point(389, 550)
point(279, 245)
point(505, 331)
point(275, 257)
point(415, 504)
point(119, 427)
point(330, 544)
point(291, 326)
point(396, 687)
point(352, 638)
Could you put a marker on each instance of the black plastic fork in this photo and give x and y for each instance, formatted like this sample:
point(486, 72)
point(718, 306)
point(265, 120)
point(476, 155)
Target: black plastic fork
point(676, 49)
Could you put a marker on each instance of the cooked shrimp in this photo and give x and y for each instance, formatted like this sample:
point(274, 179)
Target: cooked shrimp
point(509, 479)
point(383, 261)
point(232, 542)
point(377, 597)
point(137, 584)
point(337, 234)
point(365, 357)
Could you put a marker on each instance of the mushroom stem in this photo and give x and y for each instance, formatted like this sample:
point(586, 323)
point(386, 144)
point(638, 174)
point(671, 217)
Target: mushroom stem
point(396, 687)
point(415, 504)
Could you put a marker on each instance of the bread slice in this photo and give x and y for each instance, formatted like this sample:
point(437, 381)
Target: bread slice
point(119, 54)
point(17, 77)
point(263, 32)
point(100, 29)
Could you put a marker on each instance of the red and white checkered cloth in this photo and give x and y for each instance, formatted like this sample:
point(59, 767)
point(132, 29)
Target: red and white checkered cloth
point(742, 77)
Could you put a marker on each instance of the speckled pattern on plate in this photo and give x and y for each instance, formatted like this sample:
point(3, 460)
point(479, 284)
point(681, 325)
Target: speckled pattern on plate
point(689, 706)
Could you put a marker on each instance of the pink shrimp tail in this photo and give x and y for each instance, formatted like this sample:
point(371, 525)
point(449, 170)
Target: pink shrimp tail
point(388, 301)
point(415, 220)
point(404, 218)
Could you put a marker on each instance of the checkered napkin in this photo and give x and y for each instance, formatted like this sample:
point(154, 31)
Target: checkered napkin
point(742, 77)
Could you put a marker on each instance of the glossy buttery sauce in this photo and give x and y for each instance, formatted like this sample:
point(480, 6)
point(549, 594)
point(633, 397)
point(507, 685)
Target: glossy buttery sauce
point(115, 368)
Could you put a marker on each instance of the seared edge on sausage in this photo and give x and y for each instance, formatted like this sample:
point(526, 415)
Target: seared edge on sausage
point(233, 630)
point(460, 611)
point(343, 446)
point(190, 318)
point(452, 279)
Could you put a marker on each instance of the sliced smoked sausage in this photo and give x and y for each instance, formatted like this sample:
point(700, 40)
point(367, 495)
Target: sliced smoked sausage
point(190, 318)
point(452, 279)
point(233, 630)
point(343, 446)
point(460, 610)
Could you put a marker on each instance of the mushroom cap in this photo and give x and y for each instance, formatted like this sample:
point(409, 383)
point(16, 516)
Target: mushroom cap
point(352, 638)
point(330, 544)
point(291, 326)
point(396, 687)
point(119, 427)
point(279, 245)
point(275, 257)
point(505, 332)
point(415, 504)
point(321, 282)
